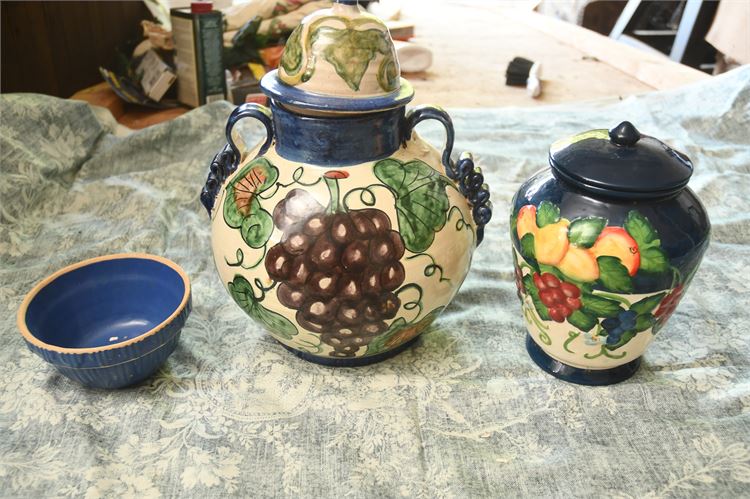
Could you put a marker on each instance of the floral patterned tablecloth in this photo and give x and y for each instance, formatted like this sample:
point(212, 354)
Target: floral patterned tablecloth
point(465, 413)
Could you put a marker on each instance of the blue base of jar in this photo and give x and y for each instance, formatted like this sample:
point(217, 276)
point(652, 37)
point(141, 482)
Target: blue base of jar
point(577, 375)
point(351, 361)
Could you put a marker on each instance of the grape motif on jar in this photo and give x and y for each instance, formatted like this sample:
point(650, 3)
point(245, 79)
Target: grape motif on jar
point(343, 234)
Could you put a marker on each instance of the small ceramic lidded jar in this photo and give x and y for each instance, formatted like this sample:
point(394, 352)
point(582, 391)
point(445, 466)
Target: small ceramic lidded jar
point(605, 243)
point(344, 234)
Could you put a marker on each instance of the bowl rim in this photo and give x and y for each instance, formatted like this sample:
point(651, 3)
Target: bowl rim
point(23, 308)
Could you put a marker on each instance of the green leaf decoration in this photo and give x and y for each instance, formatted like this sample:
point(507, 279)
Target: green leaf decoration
point(421, 201)
point(388, 73)
point(242, 292)
point(582, 320)
point(257, 227)
point(541, 309)
point(527, 247)
point(643, 322)
point(547, 213)
point(291, 59)
point(654, 260)
point(584, 231)
point(350, 52)
point(242, 209)
point(641, 230)
point(647, 304)
point(613, 275)
point(624, 339)
point(599, 306)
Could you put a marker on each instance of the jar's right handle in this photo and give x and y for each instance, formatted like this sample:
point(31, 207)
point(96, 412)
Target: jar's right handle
point(228, 159)
point(467, 176)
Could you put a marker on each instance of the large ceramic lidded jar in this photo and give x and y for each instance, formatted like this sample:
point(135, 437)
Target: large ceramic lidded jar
point(344, 234)
point(605, 243)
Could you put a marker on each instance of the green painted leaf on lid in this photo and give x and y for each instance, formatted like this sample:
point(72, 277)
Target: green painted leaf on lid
point(291, 59)
point(350, 51)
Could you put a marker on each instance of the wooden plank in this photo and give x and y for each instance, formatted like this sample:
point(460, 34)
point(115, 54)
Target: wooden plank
point(654, 70)
point(472, 44)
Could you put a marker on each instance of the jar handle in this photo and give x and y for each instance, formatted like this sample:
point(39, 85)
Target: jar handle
point(228, 159)
point(464, 173)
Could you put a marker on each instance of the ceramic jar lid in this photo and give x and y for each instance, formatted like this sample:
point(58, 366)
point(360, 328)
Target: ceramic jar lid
point(339, 59)
point(620, 163)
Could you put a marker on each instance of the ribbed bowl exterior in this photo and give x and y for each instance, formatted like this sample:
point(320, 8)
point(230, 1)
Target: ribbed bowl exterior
point(119, 367)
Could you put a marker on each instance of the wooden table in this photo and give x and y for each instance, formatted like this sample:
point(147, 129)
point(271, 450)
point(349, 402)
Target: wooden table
point(473, 41)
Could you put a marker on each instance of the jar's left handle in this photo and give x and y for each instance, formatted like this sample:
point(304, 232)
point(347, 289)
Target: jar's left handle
point(228, 159)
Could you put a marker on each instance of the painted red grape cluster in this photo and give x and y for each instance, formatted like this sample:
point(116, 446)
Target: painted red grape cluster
point(337, 269)
point(561, 298)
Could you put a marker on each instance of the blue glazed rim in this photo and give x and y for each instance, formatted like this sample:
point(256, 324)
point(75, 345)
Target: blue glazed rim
point(32, 340)
point(279, 91)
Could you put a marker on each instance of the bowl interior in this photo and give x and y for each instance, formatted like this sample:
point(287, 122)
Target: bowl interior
point(104, 302)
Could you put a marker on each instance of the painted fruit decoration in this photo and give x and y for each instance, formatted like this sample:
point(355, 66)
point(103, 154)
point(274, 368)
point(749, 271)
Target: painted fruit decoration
point(338, 269)
point(581, 272)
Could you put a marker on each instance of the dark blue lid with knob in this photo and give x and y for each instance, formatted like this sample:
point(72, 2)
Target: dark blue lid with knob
point(620, 163)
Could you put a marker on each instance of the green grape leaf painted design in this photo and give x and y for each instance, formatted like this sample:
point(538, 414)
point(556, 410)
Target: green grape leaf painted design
point(641, 230)
point(242, 293)
point(599, 306)
point(527, 249)
point(647, 304)
point(350, 52)
point(582, 320)
point(388, 73)
point(653, 257)
point(242, 209)
point(291, 59)
point(547, 213)
point(584, 231)
point(421, 201)
point(654, 260)
point(613, 275)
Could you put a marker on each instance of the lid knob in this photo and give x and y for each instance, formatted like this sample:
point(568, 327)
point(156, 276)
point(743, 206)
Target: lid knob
point(624, 134)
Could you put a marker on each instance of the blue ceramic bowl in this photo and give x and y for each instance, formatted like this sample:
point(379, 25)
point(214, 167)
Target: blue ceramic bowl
point(110, 321)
